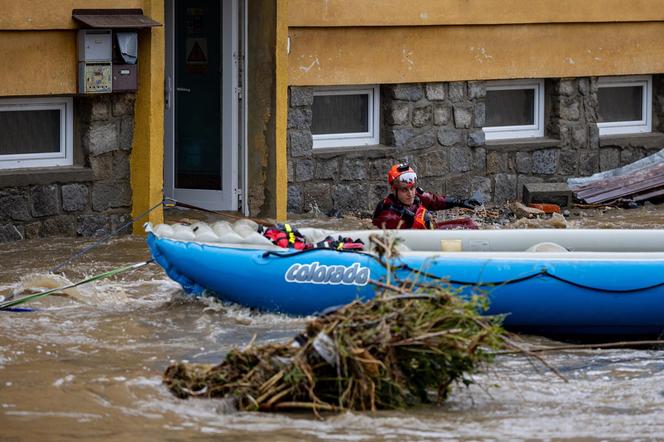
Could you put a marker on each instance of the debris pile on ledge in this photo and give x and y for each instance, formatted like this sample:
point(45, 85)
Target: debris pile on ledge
point(405, 347)
point(637, 182)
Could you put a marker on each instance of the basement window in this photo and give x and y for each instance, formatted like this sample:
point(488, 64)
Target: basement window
point(36, 132)
point(346, 116)
point(514, 109)
point(625, 105)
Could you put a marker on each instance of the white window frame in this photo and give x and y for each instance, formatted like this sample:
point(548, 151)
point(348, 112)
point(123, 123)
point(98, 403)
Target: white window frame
point(629, 127)
point(369, 138)
point(65, 156)
point(524, 131)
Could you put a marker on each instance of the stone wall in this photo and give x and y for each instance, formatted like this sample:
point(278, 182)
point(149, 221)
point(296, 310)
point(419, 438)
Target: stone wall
point(437, 128)
point(93, 197)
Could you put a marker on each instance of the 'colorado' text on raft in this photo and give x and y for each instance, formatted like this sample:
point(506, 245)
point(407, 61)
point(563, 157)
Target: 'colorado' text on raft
point(317, 273)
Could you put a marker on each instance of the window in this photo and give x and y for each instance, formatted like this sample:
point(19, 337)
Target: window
point(346, 116)
point(625, 105)
point(514, 109)
point(36, 132)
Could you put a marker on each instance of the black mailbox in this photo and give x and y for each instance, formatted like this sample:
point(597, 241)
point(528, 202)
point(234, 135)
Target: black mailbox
point(125, 77)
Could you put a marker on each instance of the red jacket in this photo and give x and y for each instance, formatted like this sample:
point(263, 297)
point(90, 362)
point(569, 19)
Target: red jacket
point(393, 214)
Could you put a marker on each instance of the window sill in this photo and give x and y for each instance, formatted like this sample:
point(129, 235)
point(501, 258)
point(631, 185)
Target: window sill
point(647, 140)
point(45, 175)
point(334, 151)
point(522, 144)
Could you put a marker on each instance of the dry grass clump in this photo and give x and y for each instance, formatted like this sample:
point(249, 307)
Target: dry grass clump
point(406, 347)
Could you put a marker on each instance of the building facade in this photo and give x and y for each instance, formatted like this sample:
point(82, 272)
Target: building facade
point(274, 106)
point(480, 97)
point(84, 162)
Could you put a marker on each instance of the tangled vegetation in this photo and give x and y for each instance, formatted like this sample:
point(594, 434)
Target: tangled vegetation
point(407, 346)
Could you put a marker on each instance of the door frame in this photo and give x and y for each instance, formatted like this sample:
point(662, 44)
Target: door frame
point(227, 197)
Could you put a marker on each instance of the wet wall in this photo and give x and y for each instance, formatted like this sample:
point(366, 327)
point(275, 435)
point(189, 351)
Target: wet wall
point(262, 120)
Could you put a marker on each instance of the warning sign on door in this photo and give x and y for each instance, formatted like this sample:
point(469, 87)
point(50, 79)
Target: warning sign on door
point(197, 55)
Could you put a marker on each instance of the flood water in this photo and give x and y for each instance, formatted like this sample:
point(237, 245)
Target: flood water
point(89, 366)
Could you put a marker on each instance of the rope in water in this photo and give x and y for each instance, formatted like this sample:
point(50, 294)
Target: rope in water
point(6, 305)
point(167, 202)
point(82, 252)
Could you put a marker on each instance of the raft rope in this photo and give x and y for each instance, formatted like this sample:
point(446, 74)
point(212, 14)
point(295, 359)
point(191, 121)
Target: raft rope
point(166, 202)
point(542, 272)
point(7, 305)
point(222, 214)
point(75, 256)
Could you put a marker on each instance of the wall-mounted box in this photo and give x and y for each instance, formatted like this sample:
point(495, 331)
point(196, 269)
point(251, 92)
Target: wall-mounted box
point(125, 77)
point(95, 78)
point(95, 45)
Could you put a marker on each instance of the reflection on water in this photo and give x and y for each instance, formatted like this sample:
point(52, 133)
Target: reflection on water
point(89, 366)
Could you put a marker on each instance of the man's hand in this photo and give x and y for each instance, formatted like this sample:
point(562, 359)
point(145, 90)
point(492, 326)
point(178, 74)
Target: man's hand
point(471, 203)
point(453, 201)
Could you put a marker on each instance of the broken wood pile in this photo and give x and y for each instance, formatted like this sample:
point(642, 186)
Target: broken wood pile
point(636, 182)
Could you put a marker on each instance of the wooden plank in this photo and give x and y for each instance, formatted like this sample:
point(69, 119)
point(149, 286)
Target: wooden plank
point(647, 196)
point(611, 182)
point(616, 183)
point(637, 187)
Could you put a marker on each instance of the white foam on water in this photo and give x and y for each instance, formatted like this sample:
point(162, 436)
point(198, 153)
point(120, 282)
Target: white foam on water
point(66, 380)
point(72, 415)
point(39, 282)
point(145, 382)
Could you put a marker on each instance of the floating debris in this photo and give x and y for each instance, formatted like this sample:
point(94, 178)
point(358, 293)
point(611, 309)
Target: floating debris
point(405, 347)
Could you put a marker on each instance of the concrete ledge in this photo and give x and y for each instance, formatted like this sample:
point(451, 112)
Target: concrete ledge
point(522, 145)
point(47, 175)
point(335, 151)
point(647, 140)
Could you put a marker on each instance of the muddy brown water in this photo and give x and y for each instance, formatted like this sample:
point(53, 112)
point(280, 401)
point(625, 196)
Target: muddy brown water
point(89, 366)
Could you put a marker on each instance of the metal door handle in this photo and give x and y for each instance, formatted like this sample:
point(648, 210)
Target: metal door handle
point(168, 90)
point(183, 89)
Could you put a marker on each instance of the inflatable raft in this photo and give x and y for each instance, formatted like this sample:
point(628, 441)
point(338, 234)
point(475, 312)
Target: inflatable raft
point(554, 282)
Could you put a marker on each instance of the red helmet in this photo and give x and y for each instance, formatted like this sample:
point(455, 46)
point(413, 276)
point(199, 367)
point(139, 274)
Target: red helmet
point(401, 175)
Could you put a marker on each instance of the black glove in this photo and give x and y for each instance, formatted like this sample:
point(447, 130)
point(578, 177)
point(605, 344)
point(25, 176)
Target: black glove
point(453, 201)
point(408, 216)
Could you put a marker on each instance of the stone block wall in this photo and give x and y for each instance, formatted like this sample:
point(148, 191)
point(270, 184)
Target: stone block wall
point(437, 128)
point(93, 197)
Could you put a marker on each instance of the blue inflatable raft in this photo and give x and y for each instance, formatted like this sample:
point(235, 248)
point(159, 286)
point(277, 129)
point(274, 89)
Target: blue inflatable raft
point(554, 282)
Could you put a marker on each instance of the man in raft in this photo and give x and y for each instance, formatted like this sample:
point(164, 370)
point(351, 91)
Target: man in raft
point(408, 206)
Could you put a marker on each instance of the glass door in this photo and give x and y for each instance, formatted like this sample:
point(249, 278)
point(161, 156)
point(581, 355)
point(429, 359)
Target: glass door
point(201, 106)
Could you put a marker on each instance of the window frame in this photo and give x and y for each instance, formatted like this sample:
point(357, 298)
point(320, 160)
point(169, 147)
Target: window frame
point(535, 130)
point(65, 155)
point(631, 126)
point(353, 139)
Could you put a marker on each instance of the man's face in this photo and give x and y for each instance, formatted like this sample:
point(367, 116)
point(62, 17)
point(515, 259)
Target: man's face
point(406, 195)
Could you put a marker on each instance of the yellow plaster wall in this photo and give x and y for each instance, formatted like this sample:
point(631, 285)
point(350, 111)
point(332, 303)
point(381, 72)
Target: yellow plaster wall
point(38, 44)
point(363, 55)
point(53, 14)
point(303, 13)
point(147, 156)
point(37, 63)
